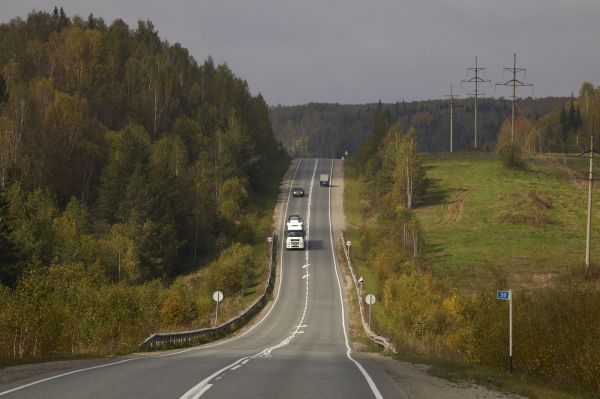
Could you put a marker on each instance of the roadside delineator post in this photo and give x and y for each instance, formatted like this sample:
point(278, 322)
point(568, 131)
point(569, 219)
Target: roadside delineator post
point(270, 241)
point(506, 295)
point(360, 284)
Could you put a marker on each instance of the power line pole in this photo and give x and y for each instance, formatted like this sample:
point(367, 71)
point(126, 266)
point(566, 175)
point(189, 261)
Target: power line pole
point(451, 95)
point(514, 82)
point(476, 93)
point(589, 210)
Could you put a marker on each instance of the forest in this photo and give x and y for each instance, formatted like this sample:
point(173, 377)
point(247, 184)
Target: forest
point(329, 130)
point(124, 163)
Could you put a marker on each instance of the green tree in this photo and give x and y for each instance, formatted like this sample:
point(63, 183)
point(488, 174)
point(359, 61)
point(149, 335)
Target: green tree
point(129, 152)
point(75, 243)
point(3, 92)
point(9, 270)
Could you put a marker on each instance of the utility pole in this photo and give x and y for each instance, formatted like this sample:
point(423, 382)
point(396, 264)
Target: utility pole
point(451, 95)
point(476, 93)
point(588, 236)
point(514, 82)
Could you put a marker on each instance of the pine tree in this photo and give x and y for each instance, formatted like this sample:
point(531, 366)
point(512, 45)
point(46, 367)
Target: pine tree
point(9, 271)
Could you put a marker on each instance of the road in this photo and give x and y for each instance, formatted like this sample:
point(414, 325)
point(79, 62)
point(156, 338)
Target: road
point(299, 349)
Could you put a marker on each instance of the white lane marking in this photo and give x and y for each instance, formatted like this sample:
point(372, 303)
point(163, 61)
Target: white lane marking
point(245, 361)
point(306, 275)
point(189, 349)
point(370, 381)
point(267, 352)
point(199, 387)
point(66, 374)
point(236, 367)
point(306, 265)
point(200, 392)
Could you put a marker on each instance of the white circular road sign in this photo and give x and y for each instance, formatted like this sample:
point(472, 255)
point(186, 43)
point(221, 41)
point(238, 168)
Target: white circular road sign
point(370, 299)
point(218, 296)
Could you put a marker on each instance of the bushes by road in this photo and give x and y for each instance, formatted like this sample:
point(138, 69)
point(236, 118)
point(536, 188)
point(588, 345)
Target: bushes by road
point(66, 309)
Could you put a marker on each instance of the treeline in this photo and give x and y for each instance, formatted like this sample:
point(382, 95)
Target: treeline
point(331, 129)
point(565, 129)
point(122, 161)
point(557, 327)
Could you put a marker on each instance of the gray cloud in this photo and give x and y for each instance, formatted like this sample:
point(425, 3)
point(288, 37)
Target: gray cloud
point(356, 51)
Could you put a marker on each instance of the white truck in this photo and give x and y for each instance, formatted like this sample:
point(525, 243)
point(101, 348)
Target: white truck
point(295, 237)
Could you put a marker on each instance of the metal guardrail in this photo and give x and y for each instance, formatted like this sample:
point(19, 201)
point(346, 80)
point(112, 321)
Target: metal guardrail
point(377, 339)
point(206, 334)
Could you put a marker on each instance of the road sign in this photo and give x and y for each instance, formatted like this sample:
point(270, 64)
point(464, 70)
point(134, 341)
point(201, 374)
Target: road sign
point(348, 243)
point(503, 295)
point(218, 296)
point(370, 299)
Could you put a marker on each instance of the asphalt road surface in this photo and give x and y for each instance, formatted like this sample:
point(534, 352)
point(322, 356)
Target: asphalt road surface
point(299, 349)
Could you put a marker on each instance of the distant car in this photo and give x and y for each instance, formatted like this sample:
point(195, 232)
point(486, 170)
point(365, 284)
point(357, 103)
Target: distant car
point(298, 192)
point(294, 218)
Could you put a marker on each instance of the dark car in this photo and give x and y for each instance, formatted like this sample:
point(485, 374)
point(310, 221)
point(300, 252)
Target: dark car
point(298, 192)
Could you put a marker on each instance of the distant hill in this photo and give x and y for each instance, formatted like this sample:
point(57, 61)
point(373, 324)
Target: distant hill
point(330, 129)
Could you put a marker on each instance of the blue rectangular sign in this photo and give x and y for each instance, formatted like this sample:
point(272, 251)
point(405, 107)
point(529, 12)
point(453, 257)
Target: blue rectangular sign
point(503, 295)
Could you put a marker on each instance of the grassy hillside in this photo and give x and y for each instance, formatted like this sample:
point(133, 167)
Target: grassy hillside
point(482, 222)
point(485, 228)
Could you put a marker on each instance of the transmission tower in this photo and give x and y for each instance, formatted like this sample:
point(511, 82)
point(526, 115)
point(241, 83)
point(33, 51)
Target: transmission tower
point(514, 82)
point(451, 96)
point(475, 93)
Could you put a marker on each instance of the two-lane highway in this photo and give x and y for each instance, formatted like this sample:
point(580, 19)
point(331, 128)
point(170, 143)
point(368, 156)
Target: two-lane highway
point(299, 349)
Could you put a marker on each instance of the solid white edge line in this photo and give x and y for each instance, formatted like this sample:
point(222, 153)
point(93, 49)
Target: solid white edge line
point(370, 381)
point(189, 349)
point(65, 374)
point(245, 359)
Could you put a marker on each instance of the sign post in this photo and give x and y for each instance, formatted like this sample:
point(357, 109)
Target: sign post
point(370, 299)
point(348, 244)
point(217, 297)
point(507, 296)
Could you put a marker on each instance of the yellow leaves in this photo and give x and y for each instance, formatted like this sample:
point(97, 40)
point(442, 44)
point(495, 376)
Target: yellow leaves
point(179, 308)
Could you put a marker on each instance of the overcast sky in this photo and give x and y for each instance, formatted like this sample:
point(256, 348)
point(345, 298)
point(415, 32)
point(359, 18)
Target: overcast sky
point(357, 51)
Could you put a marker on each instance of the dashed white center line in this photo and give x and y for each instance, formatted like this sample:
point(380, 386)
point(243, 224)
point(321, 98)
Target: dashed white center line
point(198, 392)
point(236, 367)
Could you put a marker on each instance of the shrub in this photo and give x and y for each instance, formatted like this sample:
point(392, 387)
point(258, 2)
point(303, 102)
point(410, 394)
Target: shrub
point(232, 272)
point(512, 157)
point(179, 307)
